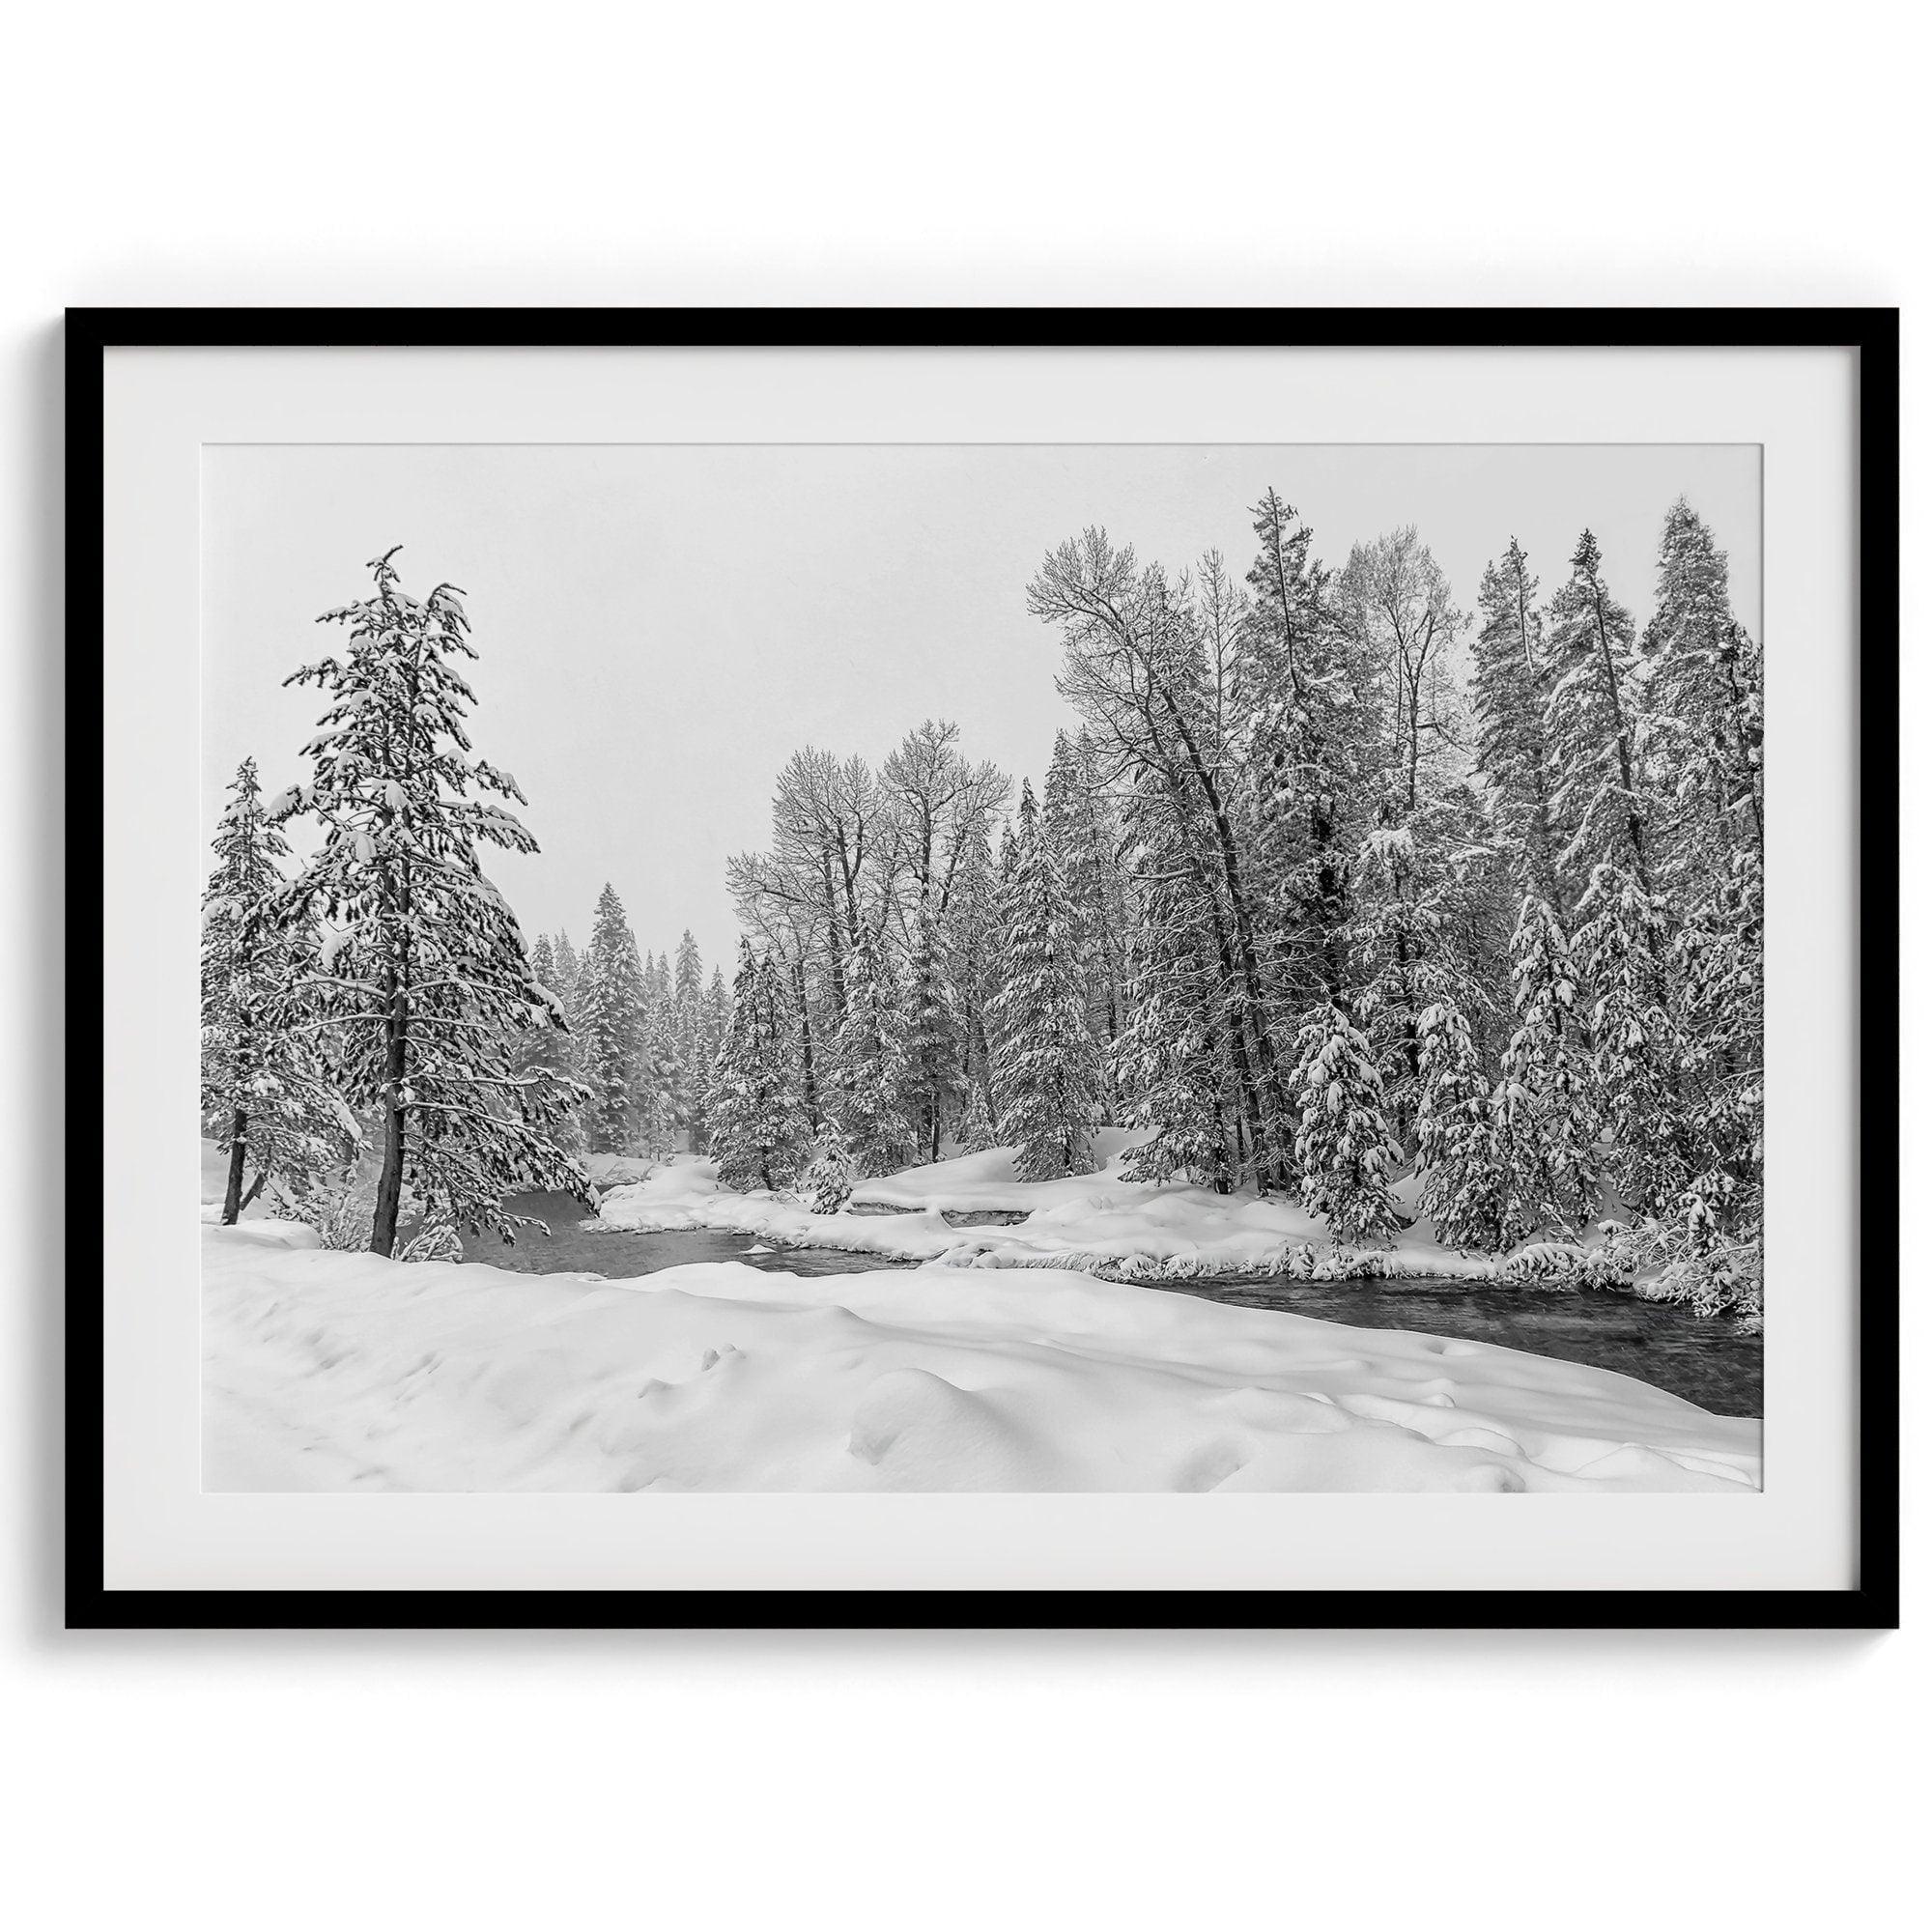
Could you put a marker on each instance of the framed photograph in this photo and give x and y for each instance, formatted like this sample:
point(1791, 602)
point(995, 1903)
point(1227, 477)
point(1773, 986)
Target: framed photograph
point(966, 968)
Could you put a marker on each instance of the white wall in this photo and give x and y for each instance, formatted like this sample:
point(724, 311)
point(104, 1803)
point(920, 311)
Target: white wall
point(398, 154)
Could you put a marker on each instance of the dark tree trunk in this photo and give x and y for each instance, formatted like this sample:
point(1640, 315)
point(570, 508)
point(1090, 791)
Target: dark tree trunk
point(1327, 897)
point(238, 1151)
point(389, 1186)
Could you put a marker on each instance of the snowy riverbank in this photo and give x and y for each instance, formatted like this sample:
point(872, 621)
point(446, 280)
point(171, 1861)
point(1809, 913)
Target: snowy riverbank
point(332, 1371)
point(1093, 1223)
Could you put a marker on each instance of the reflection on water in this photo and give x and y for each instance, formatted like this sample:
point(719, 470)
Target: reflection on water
point(571, 1248)
point(1706, 1360)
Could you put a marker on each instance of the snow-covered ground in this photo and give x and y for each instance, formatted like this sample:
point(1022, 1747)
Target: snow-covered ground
point(1087, 1221)
point(331, 1371)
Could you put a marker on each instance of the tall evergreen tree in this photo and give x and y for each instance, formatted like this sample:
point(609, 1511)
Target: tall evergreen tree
point(1719, 955)
point(1622, 944)
point(1510, 685)
point(1591, 729)
point(1705, 698)
point(426, 986)
point(1545, 1121)
point(689, 1073)
point(264, 1095)
point(1168, 1061)
point(869, 1053)
point(1297, 688)
point(1347, 1158)
point(717, 1021)
point(757, 1126)
point(1078, 828)
point(1462, 1178)
point(566, 966)
point(610, 1031)
point(933, 1045)
point(1045, 1077)
point(1413, 864)
point(972, 937)
point(549, 1050)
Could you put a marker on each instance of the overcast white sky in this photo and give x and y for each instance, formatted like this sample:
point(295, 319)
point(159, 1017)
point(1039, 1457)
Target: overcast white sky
point(660, 627)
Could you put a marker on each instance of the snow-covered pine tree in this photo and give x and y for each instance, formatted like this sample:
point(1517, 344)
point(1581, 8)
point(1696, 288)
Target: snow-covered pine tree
point(1510, 685)
point(564, 955)
point(1298, 688)
point(1704, 718)
point(1077, 826)
point(1167, 1061)
point(688, 1074)
point(830, 1176)
point(1420, 900)
point(1718, 956)
point(933, 1077)
point(1704, 703)
point(1045, 1079)
point(1418, 853)
point(264, 1095)
point(971, 934)
point(717, 1012)
point(611, 1030)
point(1545, 1124)
point(757, 1124)
point(1591, 730)
point(549, 1047)
point(425, 986)
point(568, 968)
point(1346, 1155)
point(549, 1050)
point(1620, 946)
point(1456, 1152)
point(869, 1056)
point(654, 1098)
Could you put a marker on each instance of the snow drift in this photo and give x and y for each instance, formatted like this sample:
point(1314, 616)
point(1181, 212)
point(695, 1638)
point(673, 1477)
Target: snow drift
point(1088, 1221)
point(330, 1371)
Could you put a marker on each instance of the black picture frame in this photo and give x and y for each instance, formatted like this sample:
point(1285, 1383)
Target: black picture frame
point(1872, 333)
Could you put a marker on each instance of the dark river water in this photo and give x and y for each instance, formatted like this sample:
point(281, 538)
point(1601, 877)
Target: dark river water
point(1705, 1359)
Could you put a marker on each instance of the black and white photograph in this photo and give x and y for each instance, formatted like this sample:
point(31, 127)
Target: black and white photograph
point(941, 968)
point(964, 967)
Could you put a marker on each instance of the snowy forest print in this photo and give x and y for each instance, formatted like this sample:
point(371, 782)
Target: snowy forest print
point(1361, 969)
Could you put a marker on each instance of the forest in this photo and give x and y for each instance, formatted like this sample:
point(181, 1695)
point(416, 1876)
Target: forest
point(1329, 891)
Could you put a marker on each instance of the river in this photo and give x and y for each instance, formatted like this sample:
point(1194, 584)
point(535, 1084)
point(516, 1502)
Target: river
point(1708, 1360)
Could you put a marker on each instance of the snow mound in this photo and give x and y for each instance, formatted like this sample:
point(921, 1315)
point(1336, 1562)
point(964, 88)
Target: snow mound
point(1091, 1222)
point(618, 1170)
point(982, 1182)
point(331, 1371)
